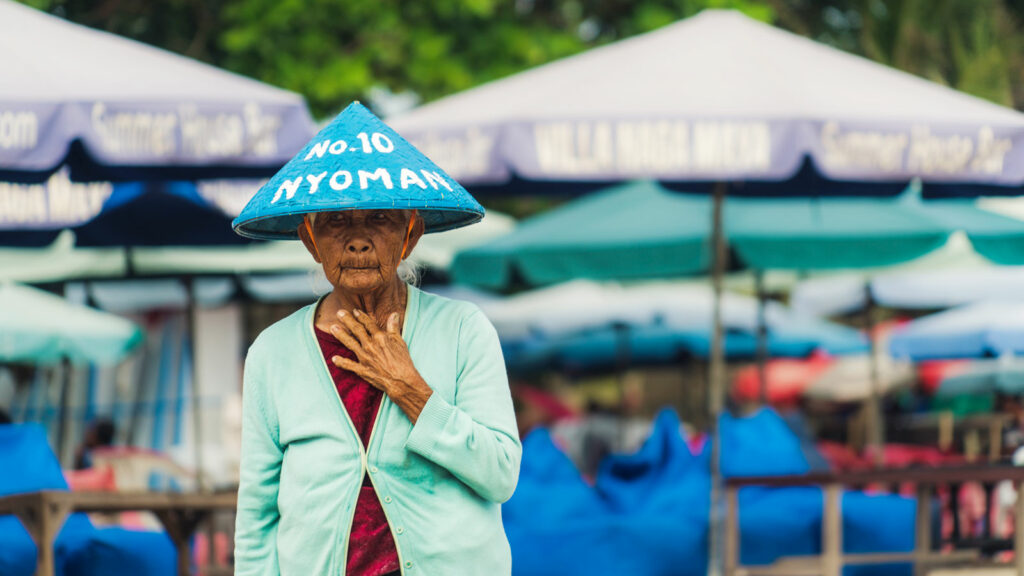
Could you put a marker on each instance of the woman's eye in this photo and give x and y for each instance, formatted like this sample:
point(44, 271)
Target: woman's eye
point(380, 217)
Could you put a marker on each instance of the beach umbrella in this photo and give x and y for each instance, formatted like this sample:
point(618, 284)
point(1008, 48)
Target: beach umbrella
point(105, 214)
point(982, 377)
point(762, 111)
point(584, 325)
point(759, 105)
point(822, 377)
point(63, 230)
point(115, 109)
point(641, 230)
point(979, 330)
point(917, 289)
point(40, 328)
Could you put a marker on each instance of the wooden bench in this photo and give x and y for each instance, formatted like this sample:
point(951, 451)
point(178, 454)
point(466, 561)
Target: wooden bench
point(832, 559)
point(43, 513)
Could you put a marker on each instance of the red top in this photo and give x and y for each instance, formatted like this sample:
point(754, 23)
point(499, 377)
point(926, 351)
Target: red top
point(371, 548)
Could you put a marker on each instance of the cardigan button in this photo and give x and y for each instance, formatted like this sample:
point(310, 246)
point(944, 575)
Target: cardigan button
point(373, 469)
point(408, 564)
point(387, 499)
point(400, 530)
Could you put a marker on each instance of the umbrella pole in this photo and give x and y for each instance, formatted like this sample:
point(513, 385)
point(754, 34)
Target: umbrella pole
point(716, 384)
point(62, 418)
point(762, 337)
point(190, 322)
point(875, 432)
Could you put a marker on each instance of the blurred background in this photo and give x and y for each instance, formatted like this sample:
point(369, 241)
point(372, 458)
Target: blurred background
point(724, 238)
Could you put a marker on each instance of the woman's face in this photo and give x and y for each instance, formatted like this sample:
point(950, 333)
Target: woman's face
point(360, 249)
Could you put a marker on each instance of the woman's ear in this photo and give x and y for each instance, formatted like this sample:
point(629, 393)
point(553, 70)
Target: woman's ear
point(418, 228)
point(307, 240)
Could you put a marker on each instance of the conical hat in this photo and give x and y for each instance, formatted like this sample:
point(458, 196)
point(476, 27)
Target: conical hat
point(356, 163)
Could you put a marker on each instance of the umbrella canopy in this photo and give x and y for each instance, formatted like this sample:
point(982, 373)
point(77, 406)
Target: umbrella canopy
point(641, 230)
point(1002, 376)
point(112, 108)
point(984, 329)
point(586, 325)
point(40, 328)
point(822, 377)
point(912, 290)
point(759, 104)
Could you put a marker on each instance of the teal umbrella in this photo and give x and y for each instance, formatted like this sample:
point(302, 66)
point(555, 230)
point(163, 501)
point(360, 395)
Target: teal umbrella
point(40, 328)
point(640, 230)
point(1003, 375)
point(632, 231)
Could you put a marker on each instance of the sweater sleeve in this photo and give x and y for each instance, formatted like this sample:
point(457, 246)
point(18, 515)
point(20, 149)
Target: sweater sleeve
point(260, 470)
point(476, 438)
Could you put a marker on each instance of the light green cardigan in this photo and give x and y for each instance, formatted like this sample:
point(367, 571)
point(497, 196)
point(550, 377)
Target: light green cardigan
point(441, 482)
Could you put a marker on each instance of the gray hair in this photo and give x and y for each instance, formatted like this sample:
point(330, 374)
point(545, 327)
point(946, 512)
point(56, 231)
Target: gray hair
point(408, 270)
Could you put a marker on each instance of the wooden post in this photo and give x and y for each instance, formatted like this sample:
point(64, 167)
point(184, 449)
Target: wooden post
point(946, 430)
point(995, 439)
point(762, 336)
point(716, 382)
point(180, 525)
point(1018, 531)
point(923, 522)
point(875, 426)
point(43, 521)
point(732, 531)
point(832, 532)
point(62, 414)
point(190, 323)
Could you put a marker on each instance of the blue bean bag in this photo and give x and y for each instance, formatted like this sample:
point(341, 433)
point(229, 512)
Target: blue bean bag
point(80, 549)
point(647, 513)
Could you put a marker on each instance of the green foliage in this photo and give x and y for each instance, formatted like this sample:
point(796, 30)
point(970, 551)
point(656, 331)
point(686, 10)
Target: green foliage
point(335, 51)
point(976, 46)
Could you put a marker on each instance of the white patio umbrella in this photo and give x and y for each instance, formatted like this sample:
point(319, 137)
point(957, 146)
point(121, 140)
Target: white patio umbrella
point(720, 98)
point(113, 108)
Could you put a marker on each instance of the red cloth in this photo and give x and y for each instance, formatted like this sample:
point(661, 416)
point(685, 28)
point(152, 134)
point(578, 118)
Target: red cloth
point(371, 548)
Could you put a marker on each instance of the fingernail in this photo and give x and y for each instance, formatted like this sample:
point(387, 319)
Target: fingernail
point(356, 313)
point(335, 359)
point(341, 313)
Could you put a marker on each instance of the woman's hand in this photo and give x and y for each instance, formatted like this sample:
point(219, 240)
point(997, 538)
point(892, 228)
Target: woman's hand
point(383, 360)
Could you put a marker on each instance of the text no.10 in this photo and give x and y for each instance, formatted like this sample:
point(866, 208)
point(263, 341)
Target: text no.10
point(367, 144)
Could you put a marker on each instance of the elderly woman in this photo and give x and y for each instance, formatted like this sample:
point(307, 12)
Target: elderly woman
point(378, 432)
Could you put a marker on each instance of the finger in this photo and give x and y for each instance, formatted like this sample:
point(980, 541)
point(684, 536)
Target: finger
point(341, 334)
point(354, 327)
point(350, 365)
point(392, 325)
point(367, 321)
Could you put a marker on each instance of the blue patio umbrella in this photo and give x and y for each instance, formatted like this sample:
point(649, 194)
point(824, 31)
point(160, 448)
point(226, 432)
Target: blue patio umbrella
point(585, 325)
point(137, 214)
point(116, 109)
point(980, 330)
point(619, 346)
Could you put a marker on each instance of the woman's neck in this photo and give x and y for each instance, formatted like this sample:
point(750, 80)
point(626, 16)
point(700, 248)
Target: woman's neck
point(379, 305)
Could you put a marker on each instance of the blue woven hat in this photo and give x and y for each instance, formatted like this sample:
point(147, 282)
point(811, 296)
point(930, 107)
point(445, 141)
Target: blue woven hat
point(356, 163)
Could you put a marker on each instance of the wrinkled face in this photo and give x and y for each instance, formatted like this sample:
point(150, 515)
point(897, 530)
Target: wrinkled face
point(360, 249)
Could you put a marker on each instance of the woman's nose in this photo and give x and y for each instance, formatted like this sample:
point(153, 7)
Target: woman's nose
point(357, 246)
